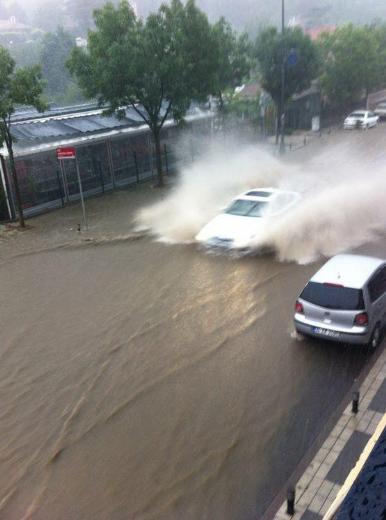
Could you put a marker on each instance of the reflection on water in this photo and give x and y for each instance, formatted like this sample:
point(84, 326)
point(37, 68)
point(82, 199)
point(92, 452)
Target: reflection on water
point(146, 381)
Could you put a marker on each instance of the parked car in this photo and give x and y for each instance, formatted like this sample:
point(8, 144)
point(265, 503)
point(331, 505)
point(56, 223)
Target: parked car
point(380, 110)
point(247, 215)
point(345, 301)
point(360, 119)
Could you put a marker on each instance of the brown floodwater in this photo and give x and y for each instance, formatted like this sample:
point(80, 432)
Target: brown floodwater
point(144, 381)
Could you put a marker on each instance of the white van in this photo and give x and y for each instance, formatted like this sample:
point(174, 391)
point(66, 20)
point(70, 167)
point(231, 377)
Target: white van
point(345, 301)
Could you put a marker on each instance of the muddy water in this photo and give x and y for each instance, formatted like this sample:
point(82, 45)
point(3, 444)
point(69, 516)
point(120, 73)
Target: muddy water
point(144, 381)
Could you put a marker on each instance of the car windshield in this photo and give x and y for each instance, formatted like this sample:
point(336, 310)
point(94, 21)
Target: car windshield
point(357, 115)
point(247, 208)
point(333, 296)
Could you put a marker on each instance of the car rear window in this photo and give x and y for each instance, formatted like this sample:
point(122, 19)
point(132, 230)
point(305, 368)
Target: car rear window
point(333, 297)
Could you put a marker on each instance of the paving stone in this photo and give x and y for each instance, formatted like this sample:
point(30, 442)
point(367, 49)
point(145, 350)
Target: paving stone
point(348, 457)
point(317, 503)
point(331, 457)
point(378, 402)
point(310, 515)
point(339, 444)
point(321, 455)
point(325, 488)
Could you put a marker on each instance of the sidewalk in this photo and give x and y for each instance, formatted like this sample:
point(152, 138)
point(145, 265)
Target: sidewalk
point(300, 138)
point(324, 477)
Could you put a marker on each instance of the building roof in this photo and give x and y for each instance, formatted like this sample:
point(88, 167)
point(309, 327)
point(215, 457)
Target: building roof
point(348, 270)
point(315, 32)
point(36, 132)
point(249, 91)
point(10, 26)
point(313, 89)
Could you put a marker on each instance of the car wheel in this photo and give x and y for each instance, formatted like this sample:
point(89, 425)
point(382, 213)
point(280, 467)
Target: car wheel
point(375, 337)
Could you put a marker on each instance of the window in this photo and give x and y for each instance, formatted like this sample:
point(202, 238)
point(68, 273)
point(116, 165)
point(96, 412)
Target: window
point(246, 208)
point(333, 297)
point(377, 285)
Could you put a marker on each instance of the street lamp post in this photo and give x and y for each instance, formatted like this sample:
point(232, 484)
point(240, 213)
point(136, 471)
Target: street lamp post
point(283, 63)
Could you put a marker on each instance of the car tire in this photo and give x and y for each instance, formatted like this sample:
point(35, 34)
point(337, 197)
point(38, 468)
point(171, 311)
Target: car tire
point(375, 337)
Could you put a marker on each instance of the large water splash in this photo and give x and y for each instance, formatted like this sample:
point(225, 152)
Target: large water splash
point(343, 204)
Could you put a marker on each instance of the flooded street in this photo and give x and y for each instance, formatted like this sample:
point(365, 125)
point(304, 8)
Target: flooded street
point(144, 381)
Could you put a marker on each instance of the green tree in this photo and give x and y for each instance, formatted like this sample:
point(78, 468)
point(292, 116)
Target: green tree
point(55, 51)
point(157, 67)
point(17, 87)
point(299, 55)
point(351, 64)
point(234, 57)
point(26, 53)
point(379, 29)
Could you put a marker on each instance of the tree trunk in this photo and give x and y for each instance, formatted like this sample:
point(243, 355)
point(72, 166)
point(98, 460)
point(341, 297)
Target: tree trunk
point(221, 99)
point(15, 181)
point(158, 157)
point(278, 125)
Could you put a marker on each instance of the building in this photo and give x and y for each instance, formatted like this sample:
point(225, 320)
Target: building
point(11, 31)
point(304, 107)
point(111, 153)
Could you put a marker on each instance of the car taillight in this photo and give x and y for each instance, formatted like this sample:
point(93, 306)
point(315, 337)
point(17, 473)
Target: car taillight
point(361, 319)
point(299, 308)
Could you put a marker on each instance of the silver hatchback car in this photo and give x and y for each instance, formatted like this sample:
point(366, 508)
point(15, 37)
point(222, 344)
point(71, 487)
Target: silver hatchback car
point(345, 301)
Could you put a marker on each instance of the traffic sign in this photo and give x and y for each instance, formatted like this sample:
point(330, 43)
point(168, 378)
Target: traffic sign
point(292, 58)
point(66, 152)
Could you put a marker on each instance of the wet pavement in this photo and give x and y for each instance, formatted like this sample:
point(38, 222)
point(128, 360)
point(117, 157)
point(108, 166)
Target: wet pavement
point(141, 380)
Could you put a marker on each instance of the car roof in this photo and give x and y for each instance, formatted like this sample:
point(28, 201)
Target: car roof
point(263, 194)
point(348, 270)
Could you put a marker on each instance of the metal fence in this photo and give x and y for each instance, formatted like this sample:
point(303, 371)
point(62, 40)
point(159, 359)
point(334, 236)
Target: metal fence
point(104, 165)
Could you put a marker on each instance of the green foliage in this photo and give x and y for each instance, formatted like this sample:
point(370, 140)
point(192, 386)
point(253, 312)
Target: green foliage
point(23, 86)
point(27, 53)
point(379, 30)
point(55, 51)
point(352, 64)
point(162, 63)
point(244, 108)
point(234, 56)
point(272, 49)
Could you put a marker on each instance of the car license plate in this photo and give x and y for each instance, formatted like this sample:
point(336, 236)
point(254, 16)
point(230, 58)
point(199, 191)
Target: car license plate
point(326, 332)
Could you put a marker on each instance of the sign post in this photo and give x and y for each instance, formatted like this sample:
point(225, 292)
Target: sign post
point(65, 153)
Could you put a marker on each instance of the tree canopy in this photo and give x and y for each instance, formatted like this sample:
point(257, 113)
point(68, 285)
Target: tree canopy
point(55, 51)
point(160, 65)
point(353, 63)
point(234, 56)
point(17, 87)
point(298, 53)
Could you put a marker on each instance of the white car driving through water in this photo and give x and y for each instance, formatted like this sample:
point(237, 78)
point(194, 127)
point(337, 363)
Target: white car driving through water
point(249, 214)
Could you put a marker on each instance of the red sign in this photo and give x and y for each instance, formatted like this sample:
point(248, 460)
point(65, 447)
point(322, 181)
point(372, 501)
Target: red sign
point(65, 152)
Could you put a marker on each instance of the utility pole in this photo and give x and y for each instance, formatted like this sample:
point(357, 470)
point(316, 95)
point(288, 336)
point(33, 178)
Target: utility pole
point(283, 64)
